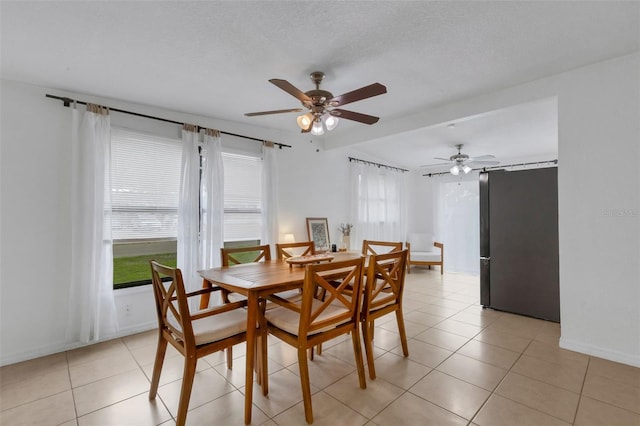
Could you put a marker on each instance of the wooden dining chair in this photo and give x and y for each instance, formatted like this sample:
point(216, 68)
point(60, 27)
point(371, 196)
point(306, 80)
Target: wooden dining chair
point(287, 250)
point(193, 334)
point(235, 256)
point(311, 321)
point(378, 247)
point(383, 288)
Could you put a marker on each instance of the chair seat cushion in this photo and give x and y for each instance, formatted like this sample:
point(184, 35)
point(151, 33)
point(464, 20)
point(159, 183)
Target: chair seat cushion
point(425, 256)
point(289, 320)
point(383, 299)
point(421, 242)
point(220, 326)
point(291, 295)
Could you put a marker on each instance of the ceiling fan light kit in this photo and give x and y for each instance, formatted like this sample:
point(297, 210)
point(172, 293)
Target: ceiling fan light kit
point(463, 163)
point(321, 105)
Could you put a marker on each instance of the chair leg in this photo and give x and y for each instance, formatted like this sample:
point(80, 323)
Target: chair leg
point(357, 351)
point(368, 347)
point(306, 385)
point(402, 330)
point(157, 366)
point(441, 268)
point(230, 357)
point(185, 392)
point(313, 350)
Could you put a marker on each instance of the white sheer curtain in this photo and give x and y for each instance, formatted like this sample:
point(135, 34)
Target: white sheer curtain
point(189, 209)
point(457, 221)
point(212, 193)
point(379, 204)
point(269, 195)
point(92, 310)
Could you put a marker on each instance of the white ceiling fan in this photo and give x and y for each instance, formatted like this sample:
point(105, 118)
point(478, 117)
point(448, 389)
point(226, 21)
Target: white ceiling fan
point(464, 163)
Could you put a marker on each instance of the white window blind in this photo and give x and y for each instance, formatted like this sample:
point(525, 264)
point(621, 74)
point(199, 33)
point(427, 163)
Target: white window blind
point(145, 178)
point(242, 197)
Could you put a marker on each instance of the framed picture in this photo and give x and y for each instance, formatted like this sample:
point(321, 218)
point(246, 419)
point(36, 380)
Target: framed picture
point(318, 232)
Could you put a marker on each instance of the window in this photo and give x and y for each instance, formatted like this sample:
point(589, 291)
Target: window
point(380, 195)
point(145, 178)
point(380, 207)
point(242, 197)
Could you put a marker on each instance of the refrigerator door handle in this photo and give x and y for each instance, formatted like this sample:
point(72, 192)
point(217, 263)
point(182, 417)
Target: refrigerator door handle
point(485, 257)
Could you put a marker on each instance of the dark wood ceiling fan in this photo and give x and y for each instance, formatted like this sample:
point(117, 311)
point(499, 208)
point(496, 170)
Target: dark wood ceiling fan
point(320, 102)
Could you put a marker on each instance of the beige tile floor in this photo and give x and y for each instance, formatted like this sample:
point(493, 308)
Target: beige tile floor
point(467, 366)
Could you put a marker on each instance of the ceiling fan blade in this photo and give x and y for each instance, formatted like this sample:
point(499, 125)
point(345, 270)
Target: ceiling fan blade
point(290, 89)
point(443, 159)
point(482, 157)
point(355, 116)
point(277, 111)
point(365, 92)
point(435, 165)
point(483, 162)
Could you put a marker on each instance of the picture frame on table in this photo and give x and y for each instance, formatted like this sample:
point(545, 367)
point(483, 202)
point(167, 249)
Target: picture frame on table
point(318, 232)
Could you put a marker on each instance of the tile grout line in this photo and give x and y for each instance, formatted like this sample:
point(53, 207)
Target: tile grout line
point(584, 380)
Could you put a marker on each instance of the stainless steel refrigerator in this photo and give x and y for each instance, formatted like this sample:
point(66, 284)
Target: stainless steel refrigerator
point(519, 266)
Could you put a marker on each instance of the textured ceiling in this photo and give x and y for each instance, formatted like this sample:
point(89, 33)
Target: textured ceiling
point(214, 58)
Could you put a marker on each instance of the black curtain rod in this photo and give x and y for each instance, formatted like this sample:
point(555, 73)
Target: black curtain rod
point(68, 101)
point(484, 169)
point(371, 163)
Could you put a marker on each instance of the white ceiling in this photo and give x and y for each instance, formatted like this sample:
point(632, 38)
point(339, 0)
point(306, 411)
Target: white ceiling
point(214, 59)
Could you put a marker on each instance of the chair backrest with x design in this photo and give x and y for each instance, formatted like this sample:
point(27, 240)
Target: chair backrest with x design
point(370, 247)
point(230, 256)
point(287, 250)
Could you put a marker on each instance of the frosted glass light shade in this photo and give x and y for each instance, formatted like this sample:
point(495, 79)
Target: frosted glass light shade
point(455, 170)
point(331, 122)
point(317, 129)
point(305, 121)
point(466, 169)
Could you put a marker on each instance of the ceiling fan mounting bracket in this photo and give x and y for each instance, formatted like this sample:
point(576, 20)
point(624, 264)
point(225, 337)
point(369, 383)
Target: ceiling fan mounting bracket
point(317, 77)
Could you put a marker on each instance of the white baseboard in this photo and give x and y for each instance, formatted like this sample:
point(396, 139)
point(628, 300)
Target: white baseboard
point(63, 346)
point(53, 348)
point(621, 357)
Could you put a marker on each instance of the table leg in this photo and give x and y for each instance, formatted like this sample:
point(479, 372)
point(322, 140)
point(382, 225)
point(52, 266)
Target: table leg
point(252, 309)
point(204, 299)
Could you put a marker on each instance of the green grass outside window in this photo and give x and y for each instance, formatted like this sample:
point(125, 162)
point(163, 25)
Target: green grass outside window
point(135, 270)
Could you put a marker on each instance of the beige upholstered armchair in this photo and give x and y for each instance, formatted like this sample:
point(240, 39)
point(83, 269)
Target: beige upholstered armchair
point(424, 251)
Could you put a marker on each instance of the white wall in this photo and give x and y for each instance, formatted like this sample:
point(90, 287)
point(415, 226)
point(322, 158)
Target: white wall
point(599, 107)
point(35, 223)
point(599, 209)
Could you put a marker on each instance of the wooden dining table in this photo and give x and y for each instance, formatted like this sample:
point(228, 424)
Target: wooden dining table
point(256, 281)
